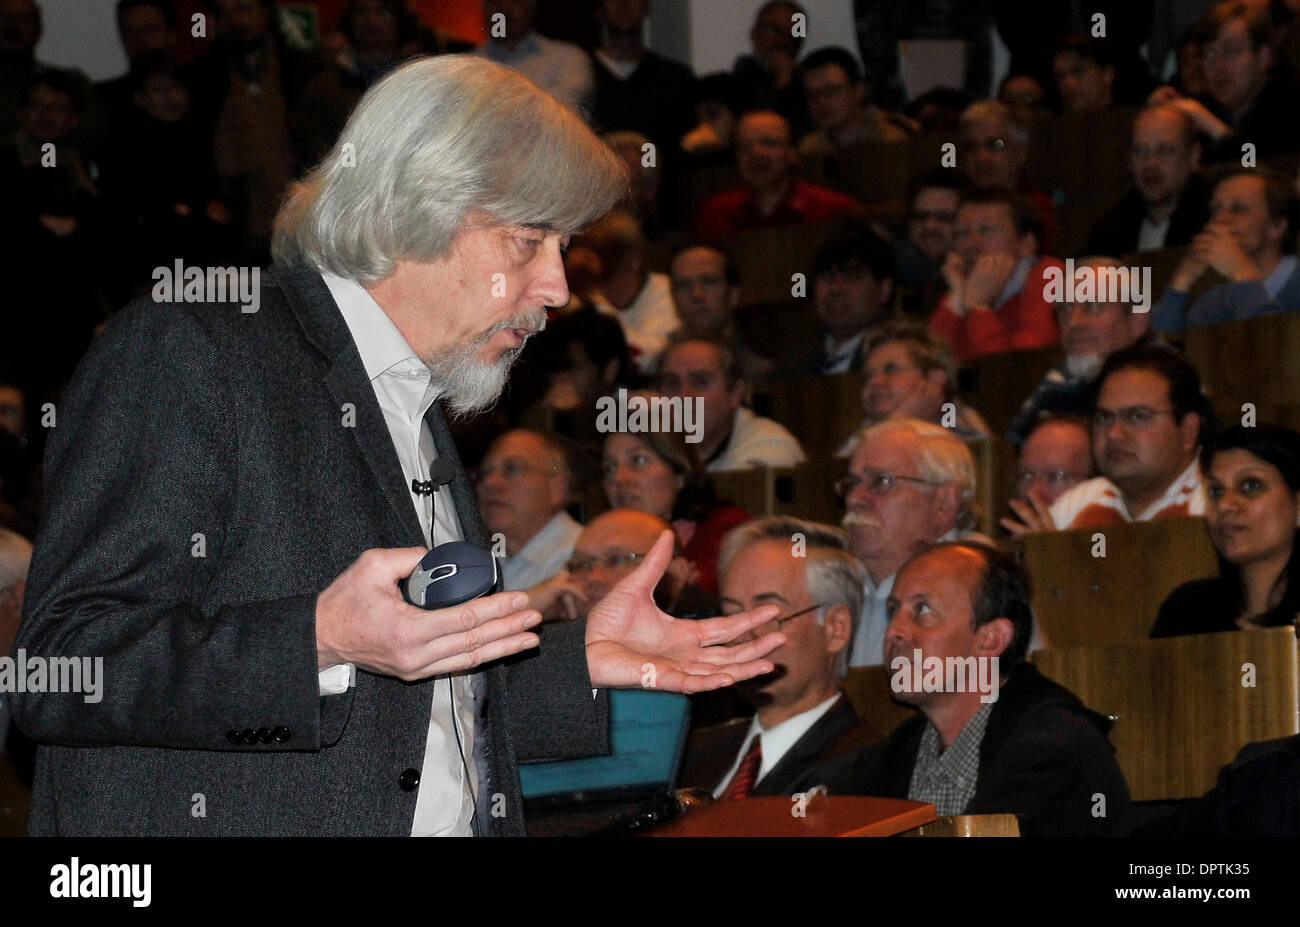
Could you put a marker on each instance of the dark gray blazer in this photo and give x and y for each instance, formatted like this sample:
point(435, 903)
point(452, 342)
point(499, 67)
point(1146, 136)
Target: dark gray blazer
point(187, 420)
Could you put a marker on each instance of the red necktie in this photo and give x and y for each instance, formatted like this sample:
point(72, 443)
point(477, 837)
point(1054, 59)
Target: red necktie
point(743, 781)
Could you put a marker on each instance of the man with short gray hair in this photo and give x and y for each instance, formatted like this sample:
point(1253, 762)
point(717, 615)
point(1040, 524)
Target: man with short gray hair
point(802, 721)
point(233, 498)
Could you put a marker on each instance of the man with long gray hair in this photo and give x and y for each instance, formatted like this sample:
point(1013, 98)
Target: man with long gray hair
point(234, 496)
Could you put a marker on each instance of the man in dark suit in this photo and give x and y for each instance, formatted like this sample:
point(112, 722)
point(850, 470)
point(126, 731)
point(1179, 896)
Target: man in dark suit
point(1169, 201)
point(217, 469)
point(804, 724)
point(992, 735)
point(853, 288)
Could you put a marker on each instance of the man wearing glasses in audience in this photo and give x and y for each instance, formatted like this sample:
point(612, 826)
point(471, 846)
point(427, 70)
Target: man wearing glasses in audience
point(610, 547)
point(802, 721)
point(1056, 457)
point(910, 483)
point(523, 487)
point(1148, 424)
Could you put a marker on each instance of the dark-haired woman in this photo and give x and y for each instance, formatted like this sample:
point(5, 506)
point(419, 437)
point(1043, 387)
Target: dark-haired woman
point(659, 473)
point(1253, 507)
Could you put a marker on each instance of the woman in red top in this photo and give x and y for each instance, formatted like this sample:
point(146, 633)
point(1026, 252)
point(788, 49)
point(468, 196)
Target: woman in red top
point(660, 474)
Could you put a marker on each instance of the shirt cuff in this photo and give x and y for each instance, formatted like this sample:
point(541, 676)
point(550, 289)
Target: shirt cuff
point(337, 679)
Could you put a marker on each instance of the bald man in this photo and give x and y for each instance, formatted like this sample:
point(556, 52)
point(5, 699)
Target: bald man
point(609, 548)
point(1168, 202)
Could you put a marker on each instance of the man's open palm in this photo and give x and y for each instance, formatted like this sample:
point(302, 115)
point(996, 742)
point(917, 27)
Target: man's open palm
point(631, 643)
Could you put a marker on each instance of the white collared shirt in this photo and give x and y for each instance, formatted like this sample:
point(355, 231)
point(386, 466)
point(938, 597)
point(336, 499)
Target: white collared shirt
point(838, 355)
point(647, 321)
point(1098, 502)
point(444, 805)
point(544, 555)
point(776, 743)
point(756, 442)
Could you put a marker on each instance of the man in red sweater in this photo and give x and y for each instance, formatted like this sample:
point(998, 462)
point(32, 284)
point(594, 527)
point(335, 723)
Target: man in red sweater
point(995, 300)
point(772, 195)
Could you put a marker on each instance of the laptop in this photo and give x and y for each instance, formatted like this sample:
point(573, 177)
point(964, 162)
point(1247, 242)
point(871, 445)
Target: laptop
point(629, 789)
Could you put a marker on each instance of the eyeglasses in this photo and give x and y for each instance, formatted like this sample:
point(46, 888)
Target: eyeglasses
point(766, 628)
point(510, 470)
point(1056, 479)
point(1136, 417)
point(988, 144)
point(878, 482)
point(610, 561)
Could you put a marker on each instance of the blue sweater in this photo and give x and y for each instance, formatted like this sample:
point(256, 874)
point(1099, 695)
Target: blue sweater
point(1227, 302)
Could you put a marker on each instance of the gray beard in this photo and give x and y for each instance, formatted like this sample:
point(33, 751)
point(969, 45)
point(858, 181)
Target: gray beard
point(466, 384)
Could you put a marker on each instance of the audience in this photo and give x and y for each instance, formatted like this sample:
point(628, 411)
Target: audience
point(637, 89)
point(706, 292)
point(374, 37)
point(1246, 99)
point(996, 279)
point(146, 28)
point(909, 372)
point(1085, 74)
point(657, 472)
point(1250, 239)
point(910, 484)
point(1168, 203)
point(627, 290)
point(769, 77)
point(803, 721)
point(1148, 424)
point(1056, 456)
point(562, 70)
point(1252, 491)
point(1091, 331)
point(610, 547)
point(523, 488)
point(732, 437)
point(772, 195)
point(841, 109)
point(1033, 750)
point(931, 226)
point(853, 287)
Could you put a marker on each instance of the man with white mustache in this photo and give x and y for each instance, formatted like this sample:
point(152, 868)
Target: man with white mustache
point(910, 484)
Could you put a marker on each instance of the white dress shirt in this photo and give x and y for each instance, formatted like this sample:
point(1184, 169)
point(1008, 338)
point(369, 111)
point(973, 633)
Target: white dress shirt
point(544, 555)
point(647, 321)
point(444, 804)
point(756, 442)
point(776, 743)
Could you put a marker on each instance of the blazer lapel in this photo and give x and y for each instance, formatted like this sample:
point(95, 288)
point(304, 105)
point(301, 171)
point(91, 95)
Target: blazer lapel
point(806, 749)
point(354, 395)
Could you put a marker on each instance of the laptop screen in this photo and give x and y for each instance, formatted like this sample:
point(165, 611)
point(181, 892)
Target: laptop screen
point(647, 734)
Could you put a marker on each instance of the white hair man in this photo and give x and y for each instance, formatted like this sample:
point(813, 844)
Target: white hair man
point(803, 721)
point(236, 549)
point(910, 483)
